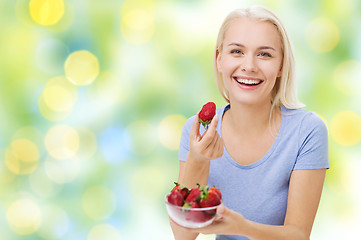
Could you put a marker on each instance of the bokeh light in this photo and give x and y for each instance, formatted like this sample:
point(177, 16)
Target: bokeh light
point(25, 150)
point(347, 77)
point(170, 130)
point(57, 99)
point(64, 171)
point(24, 216)
point(62, 142)
point(81, 67)
point(137, 23)
point(6, 175)
point(46, 12)
point(22, 157)
point(322, 35)
point(31, 133)
point(60, 95)
point(346, 128)
point(50, 114)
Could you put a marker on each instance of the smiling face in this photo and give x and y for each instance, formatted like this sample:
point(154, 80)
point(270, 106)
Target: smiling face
point(250, 60)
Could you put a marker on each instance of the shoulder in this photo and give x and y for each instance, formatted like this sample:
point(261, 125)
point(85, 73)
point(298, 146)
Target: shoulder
point(304, 119)
point(305, 125)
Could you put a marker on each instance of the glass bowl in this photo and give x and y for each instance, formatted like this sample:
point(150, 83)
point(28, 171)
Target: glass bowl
point(191, 217)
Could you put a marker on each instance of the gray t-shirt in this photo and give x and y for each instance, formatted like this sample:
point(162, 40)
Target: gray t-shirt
point(259, 191)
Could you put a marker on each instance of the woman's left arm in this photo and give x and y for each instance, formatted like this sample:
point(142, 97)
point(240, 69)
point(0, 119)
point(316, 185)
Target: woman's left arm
point(303, 199)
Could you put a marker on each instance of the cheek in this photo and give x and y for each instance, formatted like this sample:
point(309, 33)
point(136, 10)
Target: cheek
point(273, 70)
point(226, 81)
point(228, 66)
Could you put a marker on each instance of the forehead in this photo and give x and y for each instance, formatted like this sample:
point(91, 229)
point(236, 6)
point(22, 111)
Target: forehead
point(253, 33)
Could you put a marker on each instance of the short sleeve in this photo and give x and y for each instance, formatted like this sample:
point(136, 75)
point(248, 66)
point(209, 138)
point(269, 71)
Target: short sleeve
point(184, 140)
point(313, 144)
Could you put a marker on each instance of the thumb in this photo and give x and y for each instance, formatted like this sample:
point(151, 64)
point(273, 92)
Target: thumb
point(222, 211)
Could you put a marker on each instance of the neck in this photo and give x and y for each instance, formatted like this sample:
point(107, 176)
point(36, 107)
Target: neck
point(250, 119)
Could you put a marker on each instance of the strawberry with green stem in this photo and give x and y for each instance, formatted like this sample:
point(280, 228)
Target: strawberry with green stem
point(209, 198)
point(207, 113)
point(182, 189)
point(194, 194)
point(176, 198)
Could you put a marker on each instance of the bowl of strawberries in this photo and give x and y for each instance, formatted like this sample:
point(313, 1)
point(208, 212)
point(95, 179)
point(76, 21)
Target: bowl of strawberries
point(193, 208)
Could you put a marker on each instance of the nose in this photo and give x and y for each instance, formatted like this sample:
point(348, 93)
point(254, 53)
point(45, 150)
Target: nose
point(248, 64)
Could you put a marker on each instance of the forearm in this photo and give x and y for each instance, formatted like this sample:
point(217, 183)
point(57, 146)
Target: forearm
point(181, 234)
point(258, 231)
point(195, 172)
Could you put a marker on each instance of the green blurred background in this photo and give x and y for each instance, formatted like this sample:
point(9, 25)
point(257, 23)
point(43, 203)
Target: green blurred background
point(93, 96)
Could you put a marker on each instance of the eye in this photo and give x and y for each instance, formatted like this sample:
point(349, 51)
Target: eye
point(236, 51)
point(264, 54)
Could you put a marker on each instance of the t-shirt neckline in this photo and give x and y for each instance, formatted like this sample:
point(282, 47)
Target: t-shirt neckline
point(269, 152)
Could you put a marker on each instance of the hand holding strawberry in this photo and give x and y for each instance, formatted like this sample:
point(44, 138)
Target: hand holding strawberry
point(207, 146)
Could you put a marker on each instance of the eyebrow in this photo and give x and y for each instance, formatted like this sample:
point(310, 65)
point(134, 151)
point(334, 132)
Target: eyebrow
point(260, 48)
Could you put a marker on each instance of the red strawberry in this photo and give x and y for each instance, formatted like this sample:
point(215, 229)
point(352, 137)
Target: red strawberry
point(176, 198)
point(207, 113)
point(193, 195)
point(182, 189)
point(209, 198)
point(194, 215)
point(217, 191)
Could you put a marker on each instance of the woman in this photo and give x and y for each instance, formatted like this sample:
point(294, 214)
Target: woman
point(266, 154)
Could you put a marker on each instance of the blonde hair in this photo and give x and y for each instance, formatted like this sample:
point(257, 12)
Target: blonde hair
point(284, 92)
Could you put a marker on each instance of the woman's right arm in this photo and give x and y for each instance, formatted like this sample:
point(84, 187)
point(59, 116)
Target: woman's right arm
point(202, 148)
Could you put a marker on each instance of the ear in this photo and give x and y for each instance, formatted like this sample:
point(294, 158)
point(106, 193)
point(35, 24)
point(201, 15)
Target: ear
point(218, 61)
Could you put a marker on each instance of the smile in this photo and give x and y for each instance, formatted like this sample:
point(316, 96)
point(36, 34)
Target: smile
point(248, 81)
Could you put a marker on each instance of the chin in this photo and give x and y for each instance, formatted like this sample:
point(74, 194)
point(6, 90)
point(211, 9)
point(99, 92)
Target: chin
point(249, 100)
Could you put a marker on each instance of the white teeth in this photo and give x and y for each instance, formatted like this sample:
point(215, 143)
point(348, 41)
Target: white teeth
point(247, 81)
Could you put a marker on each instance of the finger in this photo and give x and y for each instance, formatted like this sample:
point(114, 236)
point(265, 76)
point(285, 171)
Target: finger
point(220, 210)
point(212, 149)
point(194, 133)
point(214, 124)
point(211, 131)
point(214, 143)
point(217, 146)
point(225, 212)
